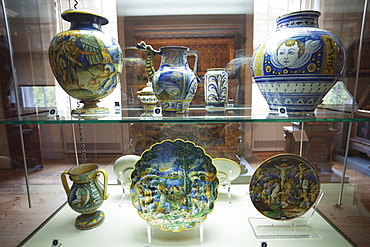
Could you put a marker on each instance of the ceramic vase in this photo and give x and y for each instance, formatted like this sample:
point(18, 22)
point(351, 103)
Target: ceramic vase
point(236, 68)
point(297, 65)
point(136, 75)
point(135, 66)
point(86, 62)
point(174, 83)
point(86, 194)
point(216, 89)
point(147, 96)
point(237, 71)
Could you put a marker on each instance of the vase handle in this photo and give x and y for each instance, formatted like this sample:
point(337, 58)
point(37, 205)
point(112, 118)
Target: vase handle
point(105, 175)
point(63, 177)
point(196, 55)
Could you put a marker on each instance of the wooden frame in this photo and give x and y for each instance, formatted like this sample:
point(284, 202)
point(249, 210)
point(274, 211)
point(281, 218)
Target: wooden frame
point(352, 52)
point(361, 137)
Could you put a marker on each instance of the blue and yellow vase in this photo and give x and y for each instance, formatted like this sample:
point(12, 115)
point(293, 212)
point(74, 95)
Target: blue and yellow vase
point(86, 62)
point(298, 64)
point(86, 194)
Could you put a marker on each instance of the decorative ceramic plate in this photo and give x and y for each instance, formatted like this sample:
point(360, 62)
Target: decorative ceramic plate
point(226, 167)
point(174, 185)
point(125, 164)
point(284, 187)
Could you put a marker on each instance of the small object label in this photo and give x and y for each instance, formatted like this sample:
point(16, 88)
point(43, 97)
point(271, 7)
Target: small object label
point(117, 108)
point(263, 244)
point(55, 243)
point(157, 112)
point(283, 112)
point(52, 113)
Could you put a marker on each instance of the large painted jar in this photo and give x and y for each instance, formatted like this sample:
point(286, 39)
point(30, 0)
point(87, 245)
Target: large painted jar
point(174, 83)
point(86, 62)
point(86, 194)
point(297, 65)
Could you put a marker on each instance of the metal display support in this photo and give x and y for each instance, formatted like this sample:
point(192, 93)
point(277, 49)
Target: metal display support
point(265, 228)
point(82, 142)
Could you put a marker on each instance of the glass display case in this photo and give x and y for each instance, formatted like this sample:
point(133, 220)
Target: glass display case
point(39, 138)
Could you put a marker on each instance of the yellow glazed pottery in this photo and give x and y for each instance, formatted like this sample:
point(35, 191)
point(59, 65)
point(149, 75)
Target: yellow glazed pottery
point(86, 62)
point(86, 194)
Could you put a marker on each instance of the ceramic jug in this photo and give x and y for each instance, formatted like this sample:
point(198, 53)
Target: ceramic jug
point(174, 83)
point(86, 194)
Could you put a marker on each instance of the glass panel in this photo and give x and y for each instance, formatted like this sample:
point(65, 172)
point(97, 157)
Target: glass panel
point(23, 168)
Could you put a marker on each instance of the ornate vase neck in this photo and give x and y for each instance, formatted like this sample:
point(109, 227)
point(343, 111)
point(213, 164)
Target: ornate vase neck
point(298, 19)
point(174, 56)
point(85, 25)
point(82, 19)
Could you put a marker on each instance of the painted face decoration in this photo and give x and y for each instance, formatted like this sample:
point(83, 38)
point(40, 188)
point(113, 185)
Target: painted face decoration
point(293, 53)
point(288, 55)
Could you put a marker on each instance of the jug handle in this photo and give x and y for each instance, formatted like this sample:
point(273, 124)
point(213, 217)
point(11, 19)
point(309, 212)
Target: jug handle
point(63, 177)
point(105, 175)
point(196, 55)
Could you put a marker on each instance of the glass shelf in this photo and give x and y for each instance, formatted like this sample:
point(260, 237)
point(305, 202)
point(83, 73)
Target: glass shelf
point(195, 115)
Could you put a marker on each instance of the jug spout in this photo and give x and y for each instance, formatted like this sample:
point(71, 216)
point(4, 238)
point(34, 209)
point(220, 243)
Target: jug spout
point(149, 61)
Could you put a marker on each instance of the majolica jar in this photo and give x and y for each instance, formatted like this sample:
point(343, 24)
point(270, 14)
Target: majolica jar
point(174, 83)
point(298, 64)
point(236, 68)
point(135, 66)
point(86, 194)
point(216, 89)
point(86, 62)
point(147, 96)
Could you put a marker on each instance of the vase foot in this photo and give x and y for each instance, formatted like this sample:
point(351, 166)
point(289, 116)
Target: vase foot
point(90, 113)
point(215, 109)
point(90, 221)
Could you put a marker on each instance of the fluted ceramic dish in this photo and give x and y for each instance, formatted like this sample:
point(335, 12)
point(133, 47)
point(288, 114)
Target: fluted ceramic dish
point(125, 164)
point(174, 185)
point(284, 187)
point(227, 169)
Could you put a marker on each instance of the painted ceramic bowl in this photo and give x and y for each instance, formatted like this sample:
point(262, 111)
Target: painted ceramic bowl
point(284, 187)
point(174, 185)
point(228, 170)
point(123, 167)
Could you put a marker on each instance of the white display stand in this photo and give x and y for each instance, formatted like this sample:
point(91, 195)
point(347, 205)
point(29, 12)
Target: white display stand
point(226, 225)
point(227, 186)
point(125, 189)
point(264, 228)
point(300, 227)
